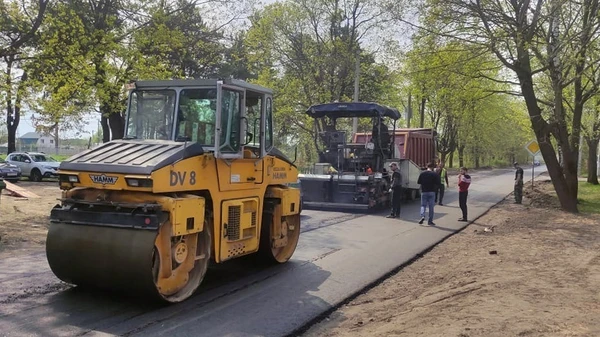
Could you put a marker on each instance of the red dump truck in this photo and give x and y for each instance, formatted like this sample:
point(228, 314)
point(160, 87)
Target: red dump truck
point(415, 144)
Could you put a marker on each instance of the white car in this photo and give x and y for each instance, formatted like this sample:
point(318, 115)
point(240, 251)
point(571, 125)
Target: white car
point(36, 166)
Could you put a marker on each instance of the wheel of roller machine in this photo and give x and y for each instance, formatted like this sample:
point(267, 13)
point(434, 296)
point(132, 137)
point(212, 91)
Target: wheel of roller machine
point(180, 263)
point(279, 237)
point(143, 262)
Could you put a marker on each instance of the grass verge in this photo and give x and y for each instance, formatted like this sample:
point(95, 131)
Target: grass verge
point(589, 198)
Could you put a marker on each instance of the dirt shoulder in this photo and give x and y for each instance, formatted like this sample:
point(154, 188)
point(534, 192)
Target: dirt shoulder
point(24, 221)
point(519, 270)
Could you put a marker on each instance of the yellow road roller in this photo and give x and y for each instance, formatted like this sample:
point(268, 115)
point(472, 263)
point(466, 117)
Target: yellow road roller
point(195, 180)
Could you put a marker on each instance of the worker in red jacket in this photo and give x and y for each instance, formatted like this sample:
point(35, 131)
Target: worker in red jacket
point(464, 181)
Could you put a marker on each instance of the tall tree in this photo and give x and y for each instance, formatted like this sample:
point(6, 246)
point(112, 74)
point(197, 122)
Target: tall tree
point(548, 39)
point(91, 49)
point(307, 51)
point(591, 133)
point(19, 22)
point(61, 75)
point(178, 41)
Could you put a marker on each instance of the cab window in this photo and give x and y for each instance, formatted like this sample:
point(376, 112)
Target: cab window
point(196, 116)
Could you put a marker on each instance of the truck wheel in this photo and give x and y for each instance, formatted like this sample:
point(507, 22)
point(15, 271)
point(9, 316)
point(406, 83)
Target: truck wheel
point(35, 175)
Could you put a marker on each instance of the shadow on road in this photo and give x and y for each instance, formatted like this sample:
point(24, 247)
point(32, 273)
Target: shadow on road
point(77, 311)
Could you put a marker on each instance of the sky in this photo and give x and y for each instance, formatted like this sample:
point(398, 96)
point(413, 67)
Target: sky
point(91, 126)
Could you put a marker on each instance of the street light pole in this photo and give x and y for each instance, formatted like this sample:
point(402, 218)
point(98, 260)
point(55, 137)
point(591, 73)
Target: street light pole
point(356, 90)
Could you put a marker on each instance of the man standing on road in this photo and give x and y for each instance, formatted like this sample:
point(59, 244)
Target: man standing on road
point(518, 183)
point(441, 171)
point(429, 182)
point(396, 190)
point(464, 181)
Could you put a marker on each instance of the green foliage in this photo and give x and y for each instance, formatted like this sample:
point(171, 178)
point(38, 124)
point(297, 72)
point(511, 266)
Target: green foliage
point(61, 74)
point(307, 53)
point(177, 45)
point(463, 103)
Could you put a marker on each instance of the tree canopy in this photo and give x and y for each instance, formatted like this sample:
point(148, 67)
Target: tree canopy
point(487, 76)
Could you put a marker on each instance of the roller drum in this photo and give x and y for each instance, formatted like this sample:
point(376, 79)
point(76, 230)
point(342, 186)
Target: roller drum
point(104, 257)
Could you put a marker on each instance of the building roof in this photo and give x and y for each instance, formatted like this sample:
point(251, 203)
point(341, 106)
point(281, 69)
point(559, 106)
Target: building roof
point(31, 135)
point(34, 135)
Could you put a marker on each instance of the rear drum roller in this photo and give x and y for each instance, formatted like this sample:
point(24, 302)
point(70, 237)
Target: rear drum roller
point(279, 239)
point(139, 261)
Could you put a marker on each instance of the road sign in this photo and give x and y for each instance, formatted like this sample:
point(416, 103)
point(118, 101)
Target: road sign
point(533, 148)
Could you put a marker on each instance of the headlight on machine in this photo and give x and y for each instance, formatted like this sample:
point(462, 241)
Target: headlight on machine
point(69, 178)
point(137, 182)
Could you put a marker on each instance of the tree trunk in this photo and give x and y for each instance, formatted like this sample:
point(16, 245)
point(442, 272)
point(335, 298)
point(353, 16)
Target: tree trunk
point(461, 156)
point(562, 179)
point(451, 160)
point(105, 129)
point(592, 161)
point(13, 112)
point(443, 157)
point(117, 125)
point(56, 139)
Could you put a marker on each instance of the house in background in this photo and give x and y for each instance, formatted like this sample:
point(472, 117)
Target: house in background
point(33, 141)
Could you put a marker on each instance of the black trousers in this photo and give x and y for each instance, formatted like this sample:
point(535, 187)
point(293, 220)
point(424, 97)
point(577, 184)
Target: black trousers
point(396, 200)
point(440, 191)
point(462, 201)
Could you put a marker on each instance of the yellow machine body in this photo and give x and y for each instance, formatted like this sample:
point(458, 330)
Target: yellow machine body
point(149, 215)
point(236, 205)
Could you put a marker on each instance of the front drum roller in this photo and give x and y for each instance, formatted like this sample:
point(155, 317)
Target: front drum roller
point(279, 237)
point(141, 261)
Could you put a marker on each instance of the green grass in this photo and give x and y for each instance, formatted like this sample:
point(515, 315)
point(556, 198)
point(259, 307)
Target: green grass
point(589, 198)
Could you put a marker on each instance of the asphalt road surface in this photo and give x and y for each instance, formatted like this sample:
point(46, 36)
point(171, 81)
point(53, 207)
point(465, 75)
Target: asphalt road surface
point(338, 256)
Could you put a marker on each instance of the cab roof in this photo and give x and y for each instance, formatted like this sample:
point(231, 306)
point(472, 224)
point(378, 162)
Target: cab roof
point(200, 83)
point(352, 109)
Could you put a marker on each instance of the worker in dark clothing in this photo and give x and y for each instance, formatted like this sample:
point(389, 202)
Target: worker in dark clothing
point(429, 181)
point(396, 190)
point(518, 183)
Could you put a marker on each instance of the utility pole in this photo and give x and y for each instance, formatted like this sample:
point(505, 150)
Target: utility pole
point(356, 88)
point(422, 108)
point(409, 111)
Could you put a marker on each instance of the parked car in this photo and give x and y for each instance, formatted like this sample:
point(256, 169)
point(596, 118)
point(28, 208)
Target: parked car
point(34, 165)
point(9, 171)
point(536, 163)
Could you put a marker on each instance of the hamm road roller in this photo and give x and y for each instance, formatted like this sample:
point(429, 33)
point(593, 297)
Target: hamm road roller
point(196, 180)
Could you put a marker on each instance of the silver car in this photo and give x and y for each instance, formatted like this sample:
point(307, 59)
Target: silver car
point(34, 165)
